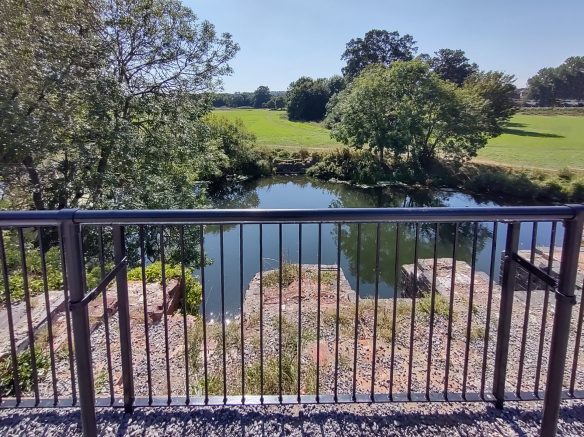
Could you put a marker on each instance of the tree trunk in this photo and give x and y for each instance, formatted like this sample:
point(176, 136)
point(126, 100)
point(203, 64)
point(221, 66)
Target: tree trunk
point(35, 181)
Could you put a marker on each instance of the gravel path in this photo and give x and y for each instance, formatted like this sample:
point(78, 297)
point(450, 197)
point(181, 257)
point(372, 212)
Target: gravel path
point(349, 420)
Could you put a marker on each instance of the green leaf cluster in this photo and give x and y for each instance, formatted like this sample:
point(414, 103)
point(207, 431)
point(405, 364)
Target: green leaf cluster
point(153, 274)
point(411, 112)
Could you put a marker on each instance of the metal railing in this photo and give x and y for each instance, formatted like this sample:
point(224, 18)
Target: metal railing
point(420, 317)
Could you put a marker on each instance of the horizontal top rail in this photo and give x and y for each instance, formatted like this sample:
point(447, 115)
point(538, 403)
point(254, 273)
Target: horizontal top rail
point(256, 216)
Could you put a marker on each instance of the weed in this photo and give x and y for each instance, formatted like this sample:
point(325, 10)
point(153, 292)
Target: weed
point(309, 378)
point(153, 274)
point(195, 340)
point(289, 274)
point(100, 381)
point(441, 307)
point(271, 375)
point(477, 333)
point(25, 373)
point(214, 384)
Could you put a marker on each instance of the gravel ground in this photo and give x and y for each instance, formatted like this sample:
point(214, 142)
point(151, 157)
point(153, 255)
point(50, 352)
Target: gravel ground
point(351, 420)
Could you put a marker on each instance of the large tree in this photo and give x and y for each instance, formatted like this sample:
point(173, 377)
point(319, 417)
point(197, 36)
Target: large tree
point(452, 65)
point(499, 90)
point(101, 102)
point(412, 112)
point(553, 84)
point(307, 99)
point(261, 96)
point(377, 47)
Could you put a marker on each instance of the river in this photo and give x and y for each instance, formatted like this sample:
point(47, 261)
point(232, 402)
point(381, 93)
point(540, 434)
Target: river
point(302, 192)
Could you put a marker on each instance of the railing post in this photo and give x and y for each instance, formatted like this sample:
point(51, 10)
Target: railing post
point(81, 334)
point(562, 318)
point(505, 313)
point(124, 318)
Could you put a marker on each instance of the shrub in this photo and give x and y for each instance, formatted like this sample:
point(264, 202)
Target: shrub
point(25, 373)
point(441, 308)
point(303, 153)
point(34, 269)
point(289, 274)
point(360, 167)
point(153, 274)
point(565, 174)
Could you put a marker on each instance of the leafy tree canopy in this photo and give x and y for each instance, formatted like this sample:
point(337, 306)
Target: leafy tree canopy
point(102, 102)
point(412, 112)
point(499, 90)
point(261, 96)
point(565, 82)
point(307, 98)
point(377, 47)
point(451, 65)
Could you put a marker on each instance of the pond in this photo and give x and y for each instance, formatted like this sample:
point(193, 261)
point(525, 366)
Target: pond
point(302, 192)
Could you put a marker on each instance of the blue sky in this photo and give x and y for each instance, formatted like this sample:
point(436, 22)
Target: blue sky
point(283, 40)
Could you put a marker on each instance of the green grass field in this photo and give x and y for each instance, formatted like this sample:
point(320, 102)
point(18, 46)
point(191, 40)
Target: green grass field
point(541, 141)
point(273, 129)
point(536, 141)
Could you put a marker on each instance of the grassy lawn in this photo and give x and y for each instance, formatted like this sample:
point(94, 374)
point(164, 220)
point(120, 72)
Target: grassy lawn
point(536, 141)
point(273, 129)
point(547, 142)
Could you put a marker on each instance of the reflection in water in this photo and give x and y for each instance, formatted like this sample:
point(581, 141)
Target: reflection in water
point(300, 192)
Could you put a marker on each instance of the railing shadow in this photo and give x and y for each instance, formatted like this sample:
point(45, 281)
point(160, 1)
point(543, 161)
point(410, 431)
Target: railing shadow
point(376, 419)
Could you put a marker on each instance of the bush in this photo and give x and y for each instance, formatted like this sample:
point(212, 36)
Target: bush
point(289, 274)
point(524, 184)
point(360, 167)
point(25, 374)
point(153, 274)
point(34, 269)
point(237, 145)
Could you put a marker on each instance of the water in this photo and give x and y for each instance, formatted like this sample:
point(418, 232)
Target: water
point(300, 192)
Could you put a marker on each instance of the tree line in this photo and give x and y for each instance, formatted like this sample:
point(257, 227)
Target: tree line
point(553, 85)
point(262, 97)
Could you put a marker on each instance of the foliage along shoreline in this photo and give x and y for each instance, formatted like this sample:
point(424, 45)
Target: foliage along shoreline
point(362, 169)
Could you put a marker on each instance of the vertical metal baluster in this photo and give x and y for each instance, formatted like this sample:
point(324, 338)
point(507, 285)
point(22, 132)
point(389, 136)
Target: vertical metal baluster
point(473, 262)
point(204, 310)
point(67, 316)
point(71, 233)
point(505, 312)
point(222, 258)
point(489, 305)
point(450, 312)
point(562, 319)
point(413, 315)
point(357, 288)
point(337, 312)
point(33, 363)
point(432, 312)
point(526, 313)
point(261, 314)
point(8, 303)
point(48, 313)
point(105, 316)
point(318, 313)
point(375, 308)
point(124, 322)
point(165, 316)
point(577, 346)
point(241, 297)
point(394, 311)
point(184, 310)
point(280, 311)
point(298, 381)
point(146, 329)
point(544, 312)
